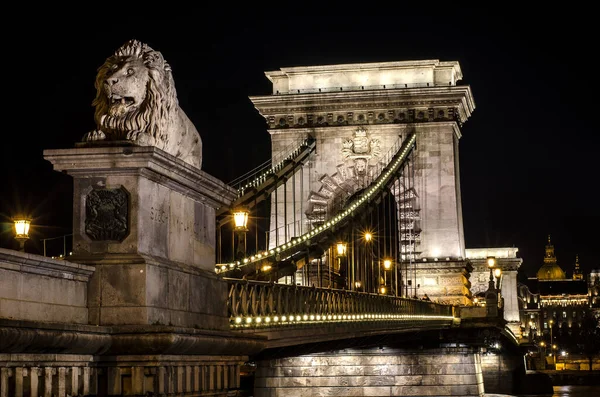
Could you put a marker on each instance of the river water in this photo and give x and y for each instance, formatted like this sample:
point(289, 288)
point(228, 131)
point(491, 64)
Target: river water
point(576, 391)
point(562, 391)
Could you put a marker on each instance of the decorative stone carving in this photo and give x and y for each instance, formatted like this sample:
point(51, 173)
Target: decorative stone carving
point(107, 212)
point(136, 101)
point(361, 146)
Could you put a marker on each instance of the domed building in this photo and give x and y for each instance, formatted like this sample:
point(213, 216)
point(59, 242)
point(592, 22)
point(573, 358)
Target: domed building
point(550, 269)
point(551, 300)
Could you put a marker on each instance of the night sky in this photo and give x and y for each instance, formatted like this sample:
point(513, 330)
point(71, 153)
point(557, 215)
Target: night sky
point(528, 155)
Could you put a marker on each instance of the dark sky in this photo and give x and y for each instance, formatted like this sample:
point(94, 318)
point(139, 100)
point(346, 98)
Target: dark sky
point(528, 155)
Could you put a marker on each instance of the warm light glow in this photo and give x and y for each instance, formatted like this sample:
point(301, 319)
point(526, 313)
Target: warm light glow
point(497, 272)
point(383, 290)
point(491, 261)
point(22, 228)
point(240, 217)
point(266, 268)
point(368, 237)
point(357, 284)
point(341, 249)
point(387, 264)
point(542, 343)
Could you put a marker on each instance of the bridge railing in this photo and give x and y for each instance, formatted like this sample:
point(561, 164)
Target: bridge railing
point(259, 303)
point(258, 175)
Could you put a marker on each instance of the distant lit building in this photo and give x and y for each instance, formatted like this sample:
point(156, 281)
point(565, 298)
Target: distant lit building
point(594, 288)
point(552, 300)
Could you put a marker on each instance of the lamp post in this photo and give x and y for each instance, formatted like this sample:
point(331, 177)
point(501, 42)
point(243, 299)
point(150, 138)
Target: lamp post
point(491, 295)
point(341, 253)
point(387, 265)
point(498, 274)
point(369, 275)
point(240, 218)
point(22, 231)
point(491, 262)
point(542, 352)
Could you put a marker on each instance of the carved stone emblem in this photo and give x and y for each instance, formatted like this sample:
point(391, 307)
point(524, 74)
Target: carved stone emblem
point(107, 212)
point(361, 146)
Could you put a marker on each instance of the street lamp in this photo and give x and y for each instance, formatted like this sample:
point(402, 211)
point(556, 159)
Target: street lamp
point(491, 262)
point(341, 249)
point(22, 231)
point(387, 265)
point(369, 276)
point(358, 285)
point(341, 252)
point(240, 219)
point(497, 273)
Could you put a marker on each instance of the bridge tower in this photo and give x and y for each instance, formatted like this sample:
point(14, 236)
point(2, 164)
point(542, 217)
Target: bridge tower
point(357, 113)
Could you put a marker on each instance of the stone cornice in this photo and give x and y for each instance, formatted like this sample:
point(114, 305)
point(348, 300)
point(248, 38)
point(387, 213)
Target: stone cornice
point(119, 259)
point(146, 161)
point(394, 128)
point(44, 266)
point(33, 337)
point(447, 96)
point(506, 264)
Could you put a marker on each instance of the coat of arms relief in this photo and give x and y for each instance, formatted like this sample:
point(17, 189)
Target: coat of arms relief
point(357, 169)
point(361, 149)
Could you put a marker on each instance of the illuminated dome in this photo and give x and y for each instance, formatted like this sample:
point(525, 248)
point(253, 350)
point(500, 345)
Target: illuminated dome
point(550, 270)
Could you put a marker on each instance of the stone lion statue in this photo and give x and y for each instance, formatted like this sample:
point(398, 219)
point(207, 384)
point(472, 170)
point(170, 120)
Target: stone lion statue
point(136, 101)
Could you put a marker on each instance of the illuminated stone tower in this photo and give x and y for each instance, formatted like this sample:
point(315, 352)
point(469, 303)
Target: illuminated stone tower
point(358, 113)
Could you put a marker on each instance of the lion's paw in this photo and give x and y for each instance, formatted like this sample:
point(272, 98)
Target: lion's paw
point(96, 135)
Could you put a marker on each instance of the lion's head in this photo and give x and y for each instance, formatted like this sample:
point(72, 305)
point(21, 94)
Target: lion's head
point(134, 92)
point(136, 100)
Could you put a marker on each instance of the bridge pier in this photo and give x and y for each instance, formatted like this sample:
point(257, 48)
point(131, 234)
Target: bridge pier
point(373, 372)
point(503, 373)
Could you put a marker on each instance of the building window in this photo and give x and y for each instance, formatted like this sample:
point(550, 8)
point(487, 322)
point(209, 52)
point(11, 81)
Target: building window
point(564, 314)
point(545, 325)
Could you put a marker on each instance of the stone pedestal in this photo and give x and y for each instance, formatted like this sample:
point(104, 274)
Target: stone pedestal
point(146, 221)
point(444, 281)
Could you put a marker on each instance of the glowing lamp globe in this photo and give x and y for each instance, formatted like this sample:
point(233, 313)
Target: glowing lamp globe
point(240, 218)
point(22, 228)
point(497, 272)
point(387, 264)
point(341, 249)
point(491, 261)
